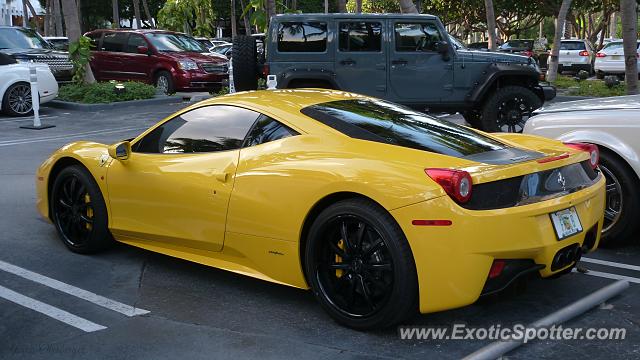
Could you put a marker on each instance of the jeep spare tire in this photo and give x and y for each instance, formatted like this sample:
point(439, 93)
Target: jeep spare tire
point(245, 64)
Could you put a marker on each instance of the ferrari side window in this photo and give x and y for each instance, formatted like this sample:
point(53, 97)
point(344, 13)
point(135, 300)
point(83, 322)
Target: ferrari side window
point(266, 129)
point(205, 129)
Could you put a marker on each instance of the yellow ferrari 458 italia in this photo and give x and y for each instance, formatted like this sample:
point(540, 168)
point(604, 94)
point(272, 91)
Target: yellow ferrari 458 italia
point(380, 210)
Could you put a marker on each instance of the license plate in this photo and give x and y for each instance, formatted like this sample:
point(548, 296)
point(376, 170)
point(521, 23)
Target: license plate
point(566, 223)
point(616, 57)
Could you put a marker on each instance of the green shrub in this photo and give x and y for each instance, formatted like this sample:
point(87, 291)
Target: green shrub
point(595, 88)
point(105, 92)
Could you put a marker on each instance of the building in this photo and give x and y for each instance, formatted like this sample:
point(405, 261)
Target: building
point(11, 11)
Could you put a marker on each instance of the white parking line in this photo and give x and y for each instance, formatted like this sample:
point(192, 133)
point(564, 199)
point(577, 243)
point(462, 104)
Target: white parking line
point(66, 136)
point(50, 311)
point(610, 263)
point(611, 276)
point(72, 290)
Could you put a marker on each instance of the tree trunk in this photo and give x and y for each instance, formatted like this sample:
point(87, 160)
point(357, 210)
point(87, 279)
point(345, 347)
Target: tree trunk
point(234, 26)
point(245, 19)
point(33, 12)
point(613, 26)
point(407, 7)
point(326, 6)
point(136, 12)
point(271, 9)
point(491, 24)
point(71, 20)
point(147, 13)
point(294, 5)
point(358, 6)
point(552, 72)
point(25, 15)
point(57, 12)
point(342, 6)
point(48, 23)
point(629, 18)
point(116, 14)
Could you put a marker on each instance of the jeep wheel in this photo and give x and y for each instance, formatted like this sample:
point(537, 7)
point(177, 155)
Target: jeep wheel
point(508, 109)
point(244, 61)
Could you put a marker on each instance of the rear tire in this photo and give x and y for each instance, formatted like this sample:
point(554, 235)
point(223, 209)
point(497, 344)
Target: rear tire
point(600, 75)
point(368, 281)
point(79, 212)
point(508, 109)
point(623, 201)
point(17, 100)
point(245, 63)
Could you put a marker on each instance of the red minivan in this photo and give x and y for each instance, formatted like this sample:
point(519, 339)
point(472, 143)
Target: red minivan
point(171, 61)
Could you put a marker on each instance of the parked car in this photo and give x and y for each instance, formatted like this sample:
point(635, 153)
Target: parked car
point(408, 59)
point(15, 86)
point(518, 46)
point(610, 60)
point(58, 42)
point(206, 43)
point(169, 60)
point(481, 46)
point(575, 55)
point(380, 210)
point(224, 50)
point(26, 45)
point(614, 125)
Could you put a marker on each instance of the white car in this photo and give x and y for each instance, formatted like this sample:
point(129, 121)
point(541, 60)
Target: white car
point(614, 125)
point(610, 60)
point(15, 88)
point(575, 55)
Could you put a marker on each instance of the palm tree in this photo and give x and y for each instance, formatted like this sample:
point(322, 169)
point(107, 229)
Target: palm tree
point(552, 72)
point(271, 9)
point(342, 6)
point(72, 23)
point(234, 26)
point(136, 12)
point(407, 7)
point(358, 6)
point(629, 18)
point(116, 13)
point(491, 24)
point(147, 13)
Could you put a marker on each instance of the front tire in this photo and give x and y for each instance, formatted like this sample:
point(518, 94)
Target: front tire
point(164, 83)
point(79, 212)
point(17, 100)
point(622, 201)
point(508, 109)
point(360, 266)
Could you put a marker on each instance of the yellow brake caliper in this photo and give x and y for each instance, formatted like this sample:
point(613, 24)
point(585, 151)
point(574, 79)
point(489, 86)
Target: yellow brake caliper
point(89, 214)
point(339, 272)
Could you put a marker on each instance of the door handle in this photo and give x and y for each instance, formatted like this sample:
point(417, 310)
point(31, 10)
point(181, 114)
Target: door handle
point(222, 176)
point(399, 62)
point(347, 62)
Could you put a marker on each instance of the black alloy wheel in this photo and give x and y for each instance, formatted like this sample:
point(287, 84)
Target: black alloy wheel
point(360, 266)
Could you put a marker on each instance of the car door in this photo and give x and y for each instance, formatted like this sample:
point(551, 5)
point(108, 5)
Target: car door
point(112, 48)
point(361, 61)
point(137, 66)
point(175, 187)
point(97, 59)
point(418, 73)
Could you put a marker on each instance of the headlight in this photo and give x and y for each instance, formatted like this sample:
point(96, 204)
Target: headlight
point(187, 64)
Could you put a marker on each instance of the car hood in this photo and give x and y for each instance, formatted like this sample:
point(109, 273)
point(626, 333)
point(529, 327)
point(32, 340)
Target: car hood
point(35, 52)
point(492, 56)
point(609, 103)
point(197, 57)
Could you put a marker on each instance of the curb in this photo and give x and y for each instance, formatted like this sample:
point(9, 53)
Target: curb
point(59, 104)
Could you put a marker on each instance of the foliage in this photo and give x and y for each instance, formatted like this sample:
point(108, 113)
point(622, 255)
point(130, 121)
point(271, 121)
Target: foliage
point(80, 55)
point(595, 88)
point(258, 10)
point(105, 92)
point(198, 15)
point(375, 6)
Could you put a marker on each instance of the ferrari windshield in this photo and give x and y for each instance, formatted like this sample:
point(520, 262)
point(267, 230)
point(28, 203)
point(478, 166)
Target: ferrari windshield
point(389, 123)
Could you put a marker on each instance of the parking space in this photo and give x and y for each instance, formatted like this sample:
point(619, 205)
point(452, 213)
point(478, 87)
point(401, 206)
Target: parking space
point(131, 303)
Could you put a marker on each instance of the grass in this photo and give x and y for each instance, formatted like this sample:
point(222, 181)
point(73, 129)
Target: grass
point(104, 92)
point(595, 88)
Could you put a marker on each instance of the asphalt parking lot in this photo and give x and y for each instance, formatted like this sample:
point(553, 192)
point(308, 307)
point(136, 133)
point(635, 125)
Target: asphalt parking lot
point(129, 303)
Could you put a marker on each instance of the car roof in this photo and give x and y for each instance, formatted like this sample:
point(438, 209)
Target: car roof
point(138, 31)
point(294, 17)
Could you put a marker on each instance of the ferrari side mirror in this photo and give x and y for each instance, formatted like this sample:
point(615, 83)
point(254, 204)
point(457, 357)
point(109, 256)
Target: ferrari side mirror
point(120, 151)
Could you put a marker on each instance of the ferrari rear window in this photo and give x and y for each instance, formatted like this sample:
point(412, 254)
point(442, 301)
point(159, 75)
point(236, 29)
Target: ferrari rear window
point(389, 123)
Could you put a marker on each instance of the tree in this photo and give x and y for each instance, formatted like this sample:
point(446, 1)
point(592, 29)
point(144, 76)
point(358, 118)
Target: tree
point(408, 7)
point(342, 6)
point(57, 12)
point(271, 10)
point(234, 26)
point(629, 19)
point(136, 10)
point(147, 13)
point(116, 14)
point(491, 24)
point(72, 23)
point(246, 16)
point(552, 72)
point(358, 6)
point(189, 16)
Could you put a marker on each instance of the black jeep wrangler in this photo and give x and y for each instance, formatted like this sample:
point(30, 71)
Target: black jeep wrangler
point(408, 59)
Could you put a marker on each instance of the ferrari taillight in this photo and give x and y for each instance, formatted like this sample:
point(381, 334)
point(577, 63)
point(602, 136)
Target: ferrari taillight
point(456, 183)
point(594, 152)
